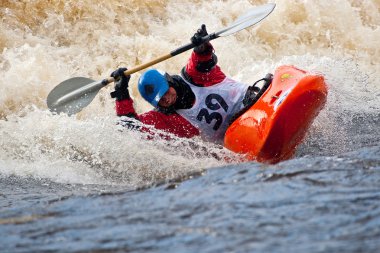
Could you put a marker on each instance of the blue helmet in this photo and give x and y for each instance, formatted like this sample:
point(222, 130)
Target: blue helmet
point(153, 85)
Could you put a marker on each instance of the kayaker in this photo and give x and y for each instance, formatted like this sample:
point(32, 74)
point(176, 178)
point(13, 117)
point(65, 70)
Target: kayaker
point(199, 102)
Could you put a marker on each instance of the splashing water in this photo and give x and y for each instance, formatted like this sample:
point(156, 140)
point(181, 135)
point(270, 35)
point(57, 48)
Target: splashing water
point(43, 44)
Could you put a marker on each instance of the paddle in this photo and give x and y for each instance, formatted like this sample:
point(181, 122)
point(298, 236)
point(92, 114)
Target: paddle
point(72, 95)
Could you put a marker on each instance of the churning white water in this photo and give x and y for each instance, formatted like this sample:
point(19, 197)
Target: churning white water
point(43, 44)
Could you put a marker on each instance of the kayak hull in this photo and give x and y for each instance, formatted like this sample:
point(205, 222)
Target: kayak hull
point(270, 130)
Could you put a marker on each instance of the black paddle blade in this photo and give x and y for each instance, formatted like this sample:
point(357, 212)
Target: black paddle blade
point(72, 95)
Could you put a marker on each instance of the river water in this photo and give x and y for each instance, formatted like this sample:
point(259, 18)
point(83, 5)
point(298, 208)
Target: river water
point(83, 184)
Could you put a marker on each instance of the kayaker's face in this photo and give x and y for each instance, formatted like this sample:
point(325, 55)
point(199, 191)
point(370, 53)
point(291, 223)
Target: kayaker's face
point(169, 98)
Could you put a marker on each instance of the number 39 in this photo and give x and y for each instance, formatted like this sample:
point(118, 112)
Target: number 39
point(204, 113)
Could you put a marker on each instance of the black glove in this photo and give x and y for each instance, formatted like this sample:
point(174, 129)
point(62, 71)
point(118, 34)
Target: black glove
point(202, 47)
point(121, 84)
point(197, 37)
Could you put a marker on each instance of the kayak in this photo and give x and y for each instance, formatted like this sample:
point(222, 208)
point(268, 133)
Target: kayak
point(270, 130)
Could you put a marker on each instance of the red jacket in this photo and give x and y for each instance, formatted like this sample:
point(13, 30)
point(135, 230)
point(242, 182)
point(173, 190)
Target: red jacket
point(174, 123)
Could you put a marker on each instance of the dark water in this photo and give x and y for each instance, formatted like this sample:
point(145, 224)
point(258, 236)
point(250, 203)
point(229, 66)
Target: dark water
point(309, 204)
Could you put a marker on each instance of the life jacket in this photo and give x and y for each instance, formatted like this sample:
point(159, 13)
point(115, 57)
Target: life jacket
point(213, 108)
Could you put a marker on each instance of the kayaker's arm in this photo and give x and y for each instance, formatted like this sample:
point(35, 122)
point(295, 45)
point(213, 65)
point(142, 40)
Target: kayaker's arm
point(124, 103)
point(121, 84)
point(171, 123)
point(202, 68)
point(202, 48)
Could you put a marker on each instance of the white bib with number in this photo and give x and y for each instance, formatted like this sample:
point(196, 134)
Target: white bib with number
point(213, 108)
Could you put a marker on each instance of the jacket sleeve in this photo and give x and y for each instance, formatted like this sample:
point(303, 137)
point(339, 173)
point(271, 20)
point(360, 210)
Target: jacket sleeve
point(125, 108)
point(214, 76)
point(169, 123)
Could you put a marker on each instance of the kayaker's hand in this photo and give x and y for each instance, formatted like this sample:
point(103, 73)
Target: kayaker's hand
point(121, 84)
point(197, 37)
point(201, 46)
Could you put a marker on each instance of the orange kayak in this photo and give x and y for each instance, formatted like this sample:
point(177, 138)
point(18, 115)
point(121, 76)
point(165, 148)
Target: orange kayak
point(270, 130)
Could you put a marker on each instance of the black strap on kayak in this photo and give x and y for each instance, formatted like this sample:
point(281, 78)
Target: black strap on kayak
point(251, 97)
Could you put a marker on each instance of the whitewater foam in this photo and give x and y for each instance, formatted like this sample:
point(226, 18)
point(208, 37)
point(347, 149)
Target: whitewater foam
point(42, 44)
